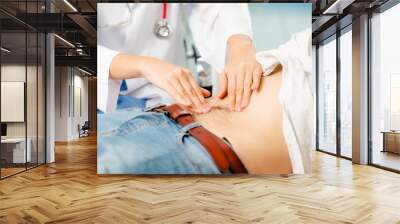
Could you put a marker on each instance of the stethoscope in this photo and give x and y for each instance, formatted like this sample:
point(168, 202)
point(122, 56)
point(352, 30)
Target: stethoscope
point(162, 29)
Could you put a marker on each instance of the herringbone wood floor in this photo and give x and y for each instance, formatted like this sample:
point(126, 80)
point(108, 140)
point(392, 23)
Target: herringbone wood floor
point(70, 191)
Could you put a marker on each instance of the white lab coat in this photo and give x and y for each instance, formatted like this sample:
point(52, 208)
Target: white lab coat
point(128, 28)
point(295, 96)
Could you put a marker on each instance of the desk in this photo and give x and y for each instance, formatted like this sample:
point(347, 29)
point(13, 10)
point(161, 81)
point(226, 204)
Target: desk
point(391, 141)
point(13, 150)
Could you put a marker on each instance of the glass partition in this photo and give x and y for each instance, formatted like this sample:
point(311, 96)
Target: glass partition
point(23, 89)
point(14, 153)
point(34, 51)
point(32, 98)
point(41, 97)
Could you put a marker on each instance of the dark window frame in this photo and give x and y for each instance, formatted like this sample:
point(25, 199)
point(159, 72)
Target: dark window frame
point(334, 37)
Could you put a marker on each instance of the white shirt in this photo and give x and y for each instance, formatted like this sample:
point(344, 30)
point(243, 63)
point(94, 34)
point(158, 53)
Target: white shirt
point(295, 96)
point(128, 28)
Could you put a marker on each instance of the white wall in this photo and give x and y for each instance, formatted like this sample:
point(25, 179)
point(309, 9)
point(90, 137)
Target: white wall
point(12, 73)
point(13, 100)
point(62, 81)
point(79, 117)
point(70, 83)
point(33, 126)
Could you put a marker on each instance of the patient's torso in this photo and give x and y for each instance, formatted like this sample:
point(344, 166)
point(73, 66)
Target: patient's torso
point(255, 133)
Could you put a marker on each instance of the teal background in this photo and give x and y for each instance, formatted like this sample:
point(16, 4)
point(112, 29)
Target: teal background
point(274, 23)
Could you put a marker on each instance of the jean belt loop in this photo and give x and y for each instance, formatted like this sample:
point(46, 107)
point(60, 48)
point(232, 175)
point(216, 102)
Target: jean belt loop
point(184, 132)
point(186, 128)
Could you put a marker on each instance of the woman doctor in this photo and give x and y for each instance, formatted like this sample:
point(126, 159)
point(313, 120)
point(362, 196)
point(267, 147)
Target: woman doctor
point(143, 44)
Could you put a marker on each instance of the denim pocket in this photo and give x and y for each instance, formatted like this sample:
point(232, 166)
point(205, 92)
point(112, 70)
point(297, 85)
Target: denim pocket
point(109, 122)
point(141, 121)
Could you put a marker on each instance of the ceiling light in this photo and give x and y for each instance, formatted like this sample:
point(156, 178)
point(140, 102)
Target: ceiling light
point(80, 51)
point(65, 41)
point(84, 71)
point(70, 5)
point(5, 50)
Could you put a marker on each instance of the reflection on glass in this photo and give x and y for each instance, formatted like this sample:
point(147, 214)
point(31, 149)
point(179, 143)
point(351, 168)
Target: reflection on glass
point(32, 85)
point(346, 94)
point(327, 97)
point(14, 153)
point(386, 89)
point(22, 89)
point(41, 99)
point(31, 100)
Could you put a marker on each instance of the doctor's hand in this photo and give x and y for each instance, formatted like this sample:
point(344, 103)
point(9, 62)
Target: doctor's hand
point(242, 73)
point(179, 83)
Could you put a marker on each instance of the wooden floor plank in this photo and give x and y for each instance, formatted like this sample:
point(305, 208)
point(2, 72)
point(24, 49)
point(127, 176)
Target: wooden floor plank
point(70, 191)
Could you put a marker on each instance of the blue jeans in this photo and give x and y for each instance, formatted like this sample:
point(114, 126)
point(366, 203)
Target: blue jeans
point(131, 141)
point(125, 102)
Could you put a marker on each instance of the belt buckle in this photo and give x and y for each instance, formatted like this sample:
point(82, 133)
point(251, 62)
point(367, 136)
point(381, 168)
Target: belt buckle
point(153, 108)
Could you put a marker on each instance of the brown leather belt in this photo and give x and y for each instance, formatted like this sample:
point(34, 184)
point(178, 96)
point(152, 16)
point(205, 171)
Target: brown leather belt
point(224, 157)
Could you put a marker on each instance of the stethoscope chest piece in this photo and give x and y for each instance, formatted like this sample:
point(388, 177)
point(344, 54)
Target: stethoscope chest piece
point(162, 29)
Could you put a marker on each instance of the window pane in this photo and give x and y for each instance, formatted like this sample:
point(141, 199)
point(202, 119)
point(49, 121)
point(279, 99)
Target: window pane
point(327, 97)
point(395, 101)
point(314, 87)
point(346, 94)
point(386, 89)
